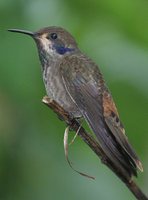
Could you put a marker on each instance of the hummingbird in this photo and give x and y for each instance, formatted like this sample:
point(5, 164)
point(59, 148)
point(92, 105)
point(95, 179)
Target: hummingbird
point(75, 82)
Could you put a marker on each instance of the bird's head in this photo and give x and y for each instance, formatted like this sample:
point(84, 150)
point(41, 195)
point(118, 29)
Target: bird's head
point(54, 41)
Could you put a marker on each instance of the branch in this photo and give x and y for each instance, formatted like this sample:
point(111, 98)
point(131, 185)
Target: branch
point(93, 144)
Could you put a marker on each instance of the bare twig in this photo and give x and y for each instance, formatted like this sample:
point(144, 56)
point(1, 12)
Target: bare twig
point(93, 144)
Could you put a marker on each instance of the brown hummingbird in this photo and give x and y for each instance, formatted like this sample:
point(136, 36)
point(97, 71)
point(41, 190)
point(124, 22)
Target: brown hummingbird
point(75, 82)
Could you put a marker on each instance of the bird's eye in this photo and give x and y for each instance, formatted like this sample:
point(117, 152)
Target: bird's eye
point(53, 36)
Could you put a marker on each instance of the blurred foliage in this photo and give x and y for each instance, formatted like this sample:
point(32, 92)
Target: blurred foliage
point(32, 164)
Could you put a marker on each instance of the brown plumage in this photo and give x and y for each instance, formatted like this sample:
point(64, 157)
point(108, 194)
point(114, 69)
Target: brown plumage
point(75, 82)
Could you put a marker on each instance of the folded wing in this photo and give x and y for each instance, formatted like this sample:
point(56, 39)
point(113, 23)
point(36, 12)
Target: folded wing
point(85, 86)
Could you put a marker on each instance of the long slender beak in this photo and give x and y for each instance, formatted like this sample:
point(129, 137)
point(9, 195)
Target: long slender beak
point(22, 31)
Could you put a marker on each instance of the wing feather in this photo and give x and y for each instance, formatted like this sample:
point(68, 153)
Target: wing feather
point(113, 122)
point(85, 85)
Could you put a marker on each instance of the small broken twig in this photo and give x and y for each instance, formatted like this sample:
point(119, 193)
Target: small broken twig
point(66, 154)
point(94, 145)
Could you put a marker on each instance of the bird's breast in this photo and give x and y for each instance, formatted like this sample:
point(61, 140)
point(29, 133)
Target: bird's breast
point(56, 90)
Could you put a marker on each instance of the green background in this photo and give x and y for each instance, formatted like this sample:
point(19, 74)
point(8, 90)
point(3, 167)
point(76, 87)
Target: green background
point(32, 164)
